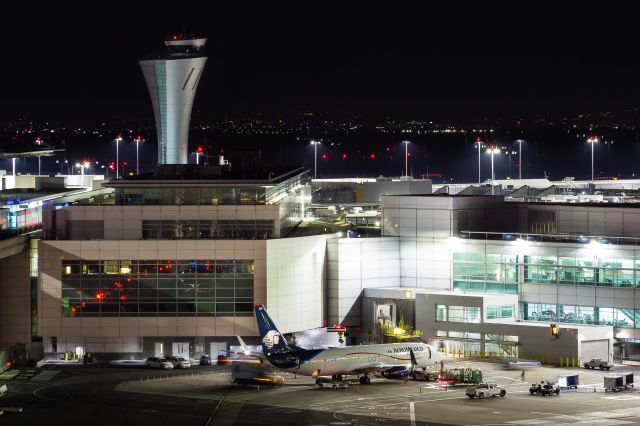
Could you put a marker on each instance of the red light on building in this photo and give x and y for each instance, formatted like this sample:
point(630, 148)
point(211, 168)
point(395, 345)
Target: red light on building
point(221, 151)
point(200, 149)
point(388, 149)
point(124, 163)
point(344, 156)
point(99, 296)
point(477, 138)
point(123, 297)
point(372, 156)
point(323, 156)
point(174, 37)
point(73, 309)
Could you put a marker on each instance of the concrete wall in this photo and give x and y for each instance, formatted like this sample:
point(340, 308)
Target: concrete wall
point(372, 192)
point(353, 265)
point(15, 295)
point(295, 269)
point(594, 220)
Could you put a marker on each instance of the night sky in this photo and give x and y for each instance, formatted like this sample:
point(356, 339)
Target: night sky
point(462, 62)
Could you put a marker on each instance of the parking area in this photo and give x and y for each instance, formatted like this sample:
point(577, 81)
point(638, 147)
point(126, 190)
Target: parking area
point(128, 393)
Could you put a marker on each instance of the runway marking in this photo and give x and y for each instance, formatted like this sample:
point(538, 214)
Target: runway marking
point(622, 397)
point(412, 413)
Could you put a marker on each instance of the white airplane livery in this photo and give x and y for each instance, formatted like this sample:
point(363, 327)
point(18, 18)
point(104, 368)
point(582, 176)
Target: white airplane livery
point(391, 360)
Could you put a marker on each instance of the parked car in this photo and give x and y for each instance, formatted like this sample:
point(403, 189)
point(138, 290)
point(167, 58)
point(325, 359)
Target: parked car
point(222, 359)
point(178, 362)
point(155, 362)
point(205, 360)
point(597, 363)
point(484, 390)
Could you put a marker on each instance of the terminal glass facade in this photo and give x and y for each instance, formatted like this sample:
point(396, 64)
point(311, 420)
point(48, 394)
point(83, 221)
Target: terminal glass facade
point(491, 273)
point(191, 196)
point(143, 288)
point(617, 317)
point(500, 273)
point(451, 313)
point(207, 229)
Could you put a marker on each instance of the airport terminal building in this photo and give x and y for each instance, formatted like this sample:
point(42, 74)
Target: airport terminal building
point(160, 265)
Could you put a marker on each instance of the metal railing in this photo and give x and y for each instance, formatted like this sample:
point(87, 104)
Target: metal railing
point(549, 238)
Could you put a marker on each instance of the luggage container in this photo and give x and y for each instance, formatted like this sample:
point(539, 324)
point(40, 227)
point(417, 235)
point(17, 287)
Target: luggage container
point(569, 381)
point(618, 382)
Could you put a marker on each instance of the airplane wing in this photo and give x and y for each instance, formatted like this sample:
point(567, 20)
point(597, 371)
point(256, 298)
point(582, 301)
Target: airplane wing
point(382, 366)
point(248, 352)
point(374, 367)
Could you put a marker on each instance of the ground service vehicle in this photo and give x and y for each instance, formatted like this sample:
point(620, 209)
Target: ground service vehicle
point(597, 363)
point(484, 390)
point(205, 360)
point(569, 381)
point(544, 388)
point(155, 362)
point(461, 376)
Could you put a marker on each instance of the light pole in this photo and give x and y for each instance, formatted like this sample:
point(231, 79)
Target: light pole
point(479, 143)
point(592, 141)
point(199, 152)
point(315, 158)
point(138, 140)
point(406, 158)
point(520, 159)
point(13, 165)
point(118, 140)
point(493, 150)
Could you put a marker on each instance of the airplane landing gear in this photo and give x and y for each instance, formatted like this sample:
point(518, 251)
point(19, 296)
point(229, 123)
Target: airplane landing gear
point(365, 380)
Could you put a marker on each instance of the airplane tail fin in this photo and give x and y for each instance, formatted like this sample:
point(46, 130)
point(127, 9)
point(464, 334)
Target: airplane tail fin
point(272, 340)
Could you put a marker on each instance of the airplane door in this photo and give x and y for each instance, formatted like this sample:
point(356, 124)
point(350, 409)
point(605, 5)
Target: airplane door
point(181, 349)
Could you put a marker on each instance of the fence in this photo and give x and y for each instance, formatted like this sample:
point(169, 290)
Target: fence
point(571, 362)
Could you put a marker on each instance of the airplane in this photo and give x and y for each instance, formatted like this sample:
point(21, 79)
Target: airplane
point(391, 360)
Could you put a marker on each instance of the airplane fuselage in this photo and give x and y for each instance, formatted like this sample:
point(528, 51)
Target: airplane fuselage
point(354, 359)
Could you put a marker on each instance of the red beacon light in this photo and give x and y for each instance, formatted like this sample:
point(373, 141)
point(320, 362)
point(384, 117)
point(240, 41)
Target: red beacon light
point(323, 156)
point(200, 149)
point(344, 156)
point(372, 156)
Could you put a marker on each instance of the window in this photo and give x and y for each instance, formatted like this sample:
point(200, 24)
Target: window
point(441, 312)
point(207, 229)
point(441, 333)
point(111, 288)
point(499, 311)
point(467, 314)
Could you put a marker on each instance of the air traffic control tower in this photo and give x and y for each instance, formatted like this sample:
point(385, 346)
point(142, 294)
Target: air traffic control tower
point(173, 80)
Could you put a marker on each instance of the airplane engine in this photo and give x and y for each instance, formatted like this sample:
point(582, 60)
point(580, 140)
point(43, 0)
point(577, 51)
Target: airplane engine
point(397, 372)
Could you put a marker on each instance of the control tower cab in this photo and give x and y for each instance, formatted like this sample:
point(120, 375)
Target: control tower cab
point(172, 80)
